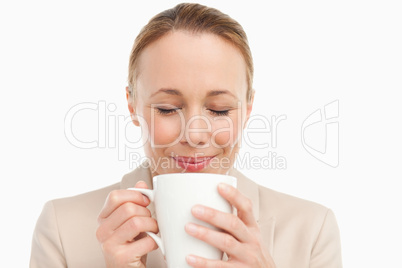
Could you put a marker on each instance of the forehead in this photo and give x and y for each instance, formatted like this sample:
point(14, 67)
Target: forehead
point(191, 62)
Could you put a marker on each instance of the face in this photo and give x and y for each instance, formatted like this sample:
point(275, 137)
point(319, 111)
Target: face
point(191, 103)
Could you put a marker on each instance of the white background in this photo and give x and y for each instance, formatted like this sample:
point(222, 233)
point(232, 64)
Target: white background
point(57, 54)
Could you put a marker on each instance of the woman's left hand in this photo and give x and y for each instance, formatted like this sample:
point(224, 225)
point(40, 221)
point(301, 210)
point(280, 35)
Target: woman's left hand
point(240, 238)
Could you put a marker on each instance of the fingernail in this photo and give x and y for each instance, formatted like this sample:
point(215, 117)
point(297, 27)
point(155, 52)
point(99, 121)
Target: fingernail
point(198, 210)
point(191, 259)
point(191, 228)
point(145, 199)
point(223, 187)
point(139, 183)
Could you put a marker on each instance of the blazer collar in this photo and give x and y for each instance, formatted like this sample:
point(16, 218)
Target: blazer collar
point(249, 189)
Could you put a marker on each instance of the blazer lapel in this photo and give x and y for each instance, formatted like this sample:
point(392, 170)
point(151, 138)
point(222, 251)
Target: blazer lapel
point(267, 229)
point(266, 223)
point(249, 189)
point(141, 173)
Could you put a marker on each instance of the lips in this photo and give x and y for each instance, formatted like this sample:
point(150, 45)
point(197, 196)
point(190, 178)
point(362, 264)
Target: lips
point(193, 164)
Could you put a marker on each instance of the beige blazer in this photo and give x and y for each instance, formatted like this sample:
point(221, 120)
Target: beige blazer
point(297, 233)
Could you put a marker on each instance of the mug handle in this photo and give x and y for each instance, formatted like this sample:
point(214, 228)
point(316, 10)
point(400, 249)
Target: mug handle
point(151, 195)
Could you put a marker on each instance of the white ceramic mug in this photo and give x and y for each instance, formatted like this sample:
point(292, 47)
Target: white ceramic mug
point(174, 195)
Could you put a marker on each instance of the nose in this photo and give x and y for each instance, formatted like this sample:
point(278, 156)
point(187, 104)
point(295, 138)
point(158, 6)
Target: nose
point(197, 131)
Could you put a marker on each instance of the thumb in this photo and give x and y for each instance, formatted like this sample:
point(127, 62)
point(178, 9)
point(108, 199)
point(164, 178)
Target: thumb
point(141, 184)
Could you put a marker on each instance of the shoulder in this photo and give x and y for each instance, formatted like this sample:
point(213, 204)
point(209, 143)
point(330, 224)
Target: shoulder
point(65, 221)
point(289, 206)
point(290, 213)
point(305, 221)
point(83, 205)
point(271, 203)
point(92, 197)
point(299, 230)
point(306, 233)
point(77, 209)
point(91, 203)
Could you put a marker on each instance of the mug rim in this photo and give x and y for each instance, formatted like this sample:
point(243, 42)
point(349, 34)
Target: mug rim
point(233, 179)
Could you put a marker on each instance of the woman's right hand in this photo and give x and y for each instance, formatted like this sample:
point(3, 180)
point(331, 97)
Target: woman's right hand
point(122, 223)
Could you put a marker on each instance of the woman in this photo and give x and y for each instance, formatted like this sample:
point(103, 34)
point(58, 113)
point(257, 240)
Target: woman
point(190, 90)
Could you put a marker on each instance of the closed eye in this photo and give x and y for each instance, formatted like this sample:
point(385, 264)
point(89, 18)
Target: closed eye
point(220, 113)
point(166, 111)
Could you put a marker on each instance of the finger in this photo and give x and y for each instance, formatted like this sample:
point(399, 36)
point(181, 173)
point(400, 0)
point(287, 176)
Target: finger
point(243, 204)
point(118, 217)
point(132, 228)
point(141, 184)
point(223, 241)
point(196, 261)
point(132, 252)
point(142, 246)
point(225, 221)
point(118, 197)
point(123, 213)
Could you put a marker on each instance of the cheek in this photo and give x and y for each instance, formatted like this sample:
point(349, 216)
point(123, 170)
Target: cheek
point(164, 130)
point(226, 132)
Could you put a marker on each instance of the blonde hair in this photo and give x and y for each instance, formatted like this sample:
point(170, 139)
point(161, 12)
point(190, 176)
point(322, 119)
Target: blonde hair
point(194, 18)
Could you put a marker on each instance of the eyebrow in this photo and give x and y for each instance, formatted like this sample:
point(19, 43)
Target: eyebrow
point(176, 92)
point(169, 91)
point(217, 92)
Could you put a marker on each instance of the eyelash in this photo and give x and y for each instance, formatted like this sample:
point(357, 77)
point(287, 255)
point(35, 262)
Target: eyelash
point(166, 111)
point(220, 113)
point(171, 111)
